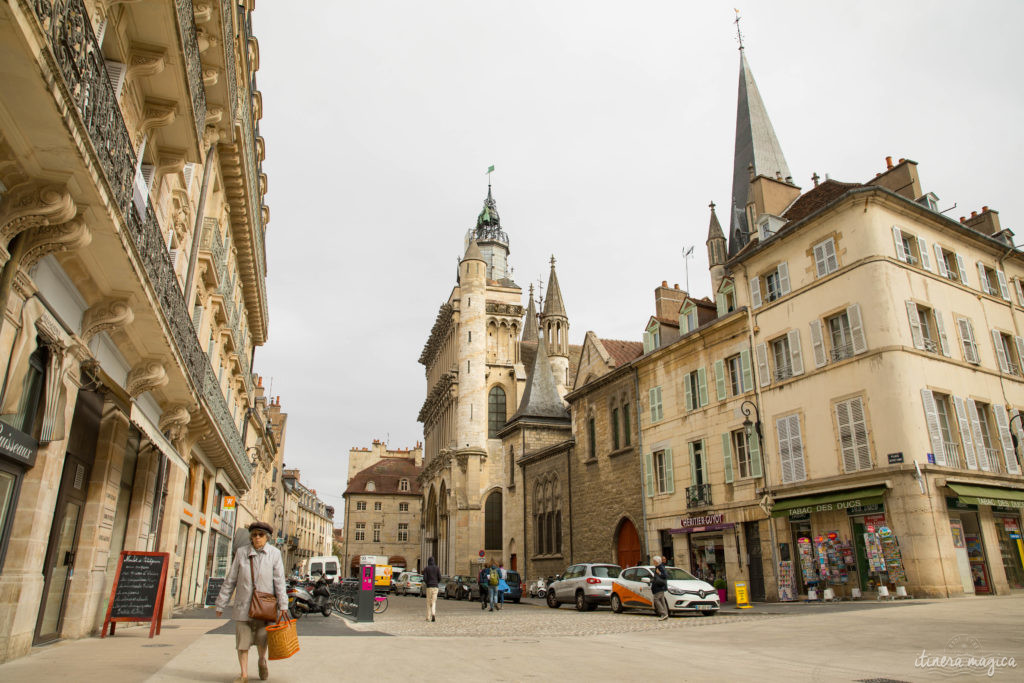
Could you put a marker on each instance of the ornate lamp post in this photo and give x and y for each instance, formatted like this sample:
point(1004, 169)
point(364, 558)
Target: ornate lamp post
point(752, 428)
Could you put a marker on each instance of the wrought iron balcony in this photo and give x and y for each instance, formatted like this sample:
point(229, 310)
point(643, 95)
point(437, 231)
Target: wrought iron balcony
point(994, 457)
point(783, 372)
point(68, 31)
point(952, 454)
point(842, 352)
point(930, 345)
point(698, 496)
point(193, 67)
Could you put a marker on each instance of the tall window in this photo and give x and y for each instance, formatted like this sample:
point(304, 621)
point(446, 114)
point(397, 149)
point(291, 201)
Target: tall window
point(377, 506)
point(656, 409)
point(376, 532)
point(403, 485)
point(853, 435)
point(495, 412)
point(825, 261)
point(791, 449)
point(735, 374)
point(739, 446)
point(781, 357)
point(625, 424)
point(841, 336)
point(967, 342)
point(592, 435)
point(360, 531)
point(615, 428)
point(403, 532)
point(492, 521)
point(663, 471)
point(698, 473)
point(360, 505)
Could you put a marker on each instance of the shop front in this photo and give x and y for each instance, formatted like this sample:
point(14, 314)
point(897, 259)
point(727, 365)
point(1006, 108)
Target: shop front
point(969, 511)
point(840, 544)
point(708, 537)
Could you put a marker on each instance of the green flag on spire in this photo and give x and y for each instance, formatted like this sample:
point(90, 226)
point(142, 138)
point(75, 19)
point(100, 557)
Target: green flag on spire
point(490, 169)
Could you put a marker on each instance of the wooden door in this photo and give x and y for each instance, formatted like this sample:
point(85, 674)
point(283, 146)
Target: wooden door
point(628, 545)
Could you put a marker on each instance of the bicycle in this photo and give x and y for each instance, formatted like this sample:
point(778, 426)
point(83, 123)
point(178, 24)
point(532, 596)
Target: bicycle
point(380, 604)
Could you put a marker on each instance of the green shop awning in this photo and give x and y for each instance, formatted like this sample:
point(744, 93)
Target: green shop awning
point(827, 502)
point(989, 495)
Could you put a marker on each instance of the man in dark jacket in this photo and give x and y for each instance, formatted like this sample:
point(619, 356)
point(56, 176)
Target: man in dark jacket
point(659, 584)
point(431, 578)
point(482, 579)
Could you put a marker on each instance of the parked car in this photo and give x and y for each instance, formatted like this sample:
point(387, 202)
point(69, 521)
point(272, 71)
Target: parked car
point(410, 583)
point(515, 587)
point(458, 587)
point(585, 585)
point(324, 564)
point(686, 593)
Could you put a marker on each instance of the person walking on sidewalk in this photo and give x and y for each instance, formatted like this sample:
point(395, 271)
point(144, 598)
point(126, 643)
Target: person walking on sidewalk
point(659, 584)
point(256, 567)
point(493, 581)
point(431, 578)
point(502, 584)
point(485, 592)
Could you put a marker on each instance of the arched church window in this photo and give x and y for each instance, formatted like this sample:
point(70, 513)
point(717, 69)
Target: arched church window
point(492, 521)
point(495, 412)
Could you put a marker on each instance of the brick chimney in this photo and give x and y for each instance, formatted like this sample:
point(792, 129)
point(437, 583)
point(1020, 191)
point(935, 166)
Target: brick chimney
point(901, 178)
point(668, 301)
point(986, 222)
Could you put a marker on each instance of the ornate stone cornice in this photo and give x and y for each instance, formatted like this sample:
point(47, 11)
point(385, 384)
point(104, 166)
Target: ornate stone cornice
point(145, 377)
point(170, 162)
point(500, 308)
point(442, 324)
point(105, 316)
point(49, 239)
point(440, 395)
point(32, 205)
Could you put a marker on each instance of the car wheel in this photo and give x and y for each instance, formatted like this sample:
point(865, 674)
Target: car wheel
point(616, 603)
point(581, 602)
point(708, 612)
point(552, 600)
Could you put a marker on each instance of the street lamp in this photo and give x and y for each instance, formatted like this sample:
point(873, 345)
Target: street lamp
point(1013, 435)
point(751, 428)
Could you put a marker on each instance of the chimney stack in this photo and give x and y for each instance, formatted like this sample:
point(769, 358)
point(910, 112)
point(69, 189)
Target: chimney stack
point(888, 163)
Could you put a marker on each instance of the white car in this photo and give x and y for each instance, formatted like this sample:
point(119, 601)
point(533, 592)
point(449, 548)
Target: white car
point(632, 590)
point(410, 583)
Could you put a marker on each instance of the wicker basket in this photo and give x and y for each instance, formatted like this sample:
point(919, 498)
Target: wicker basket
point(282, 639)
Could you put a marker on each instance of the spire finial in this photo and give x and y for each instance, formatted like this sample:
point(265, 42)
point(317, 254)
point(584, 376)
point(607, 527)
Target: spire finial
point(552, 260)
point(739, 34)
point(712, 205)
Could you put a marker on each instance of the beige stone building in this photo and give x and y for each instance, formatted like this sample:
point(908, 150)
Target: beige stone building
point(132, 223)
point(308, 529)
point(383, 507)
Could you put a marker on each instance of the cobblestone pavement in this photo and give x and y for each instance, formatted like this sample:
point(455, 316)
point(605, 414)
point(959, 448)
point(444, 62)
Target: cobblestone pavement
point(406, 616)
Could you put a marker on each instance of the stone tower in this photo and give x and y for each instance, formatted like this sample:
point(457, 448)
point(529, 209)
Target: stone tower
point(471, 368)
point(555, 325)
point(716, 251)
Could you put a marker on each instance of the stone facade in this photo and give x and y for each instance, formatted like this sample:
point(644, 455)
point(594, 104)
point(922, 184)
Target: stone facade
point(309, 525)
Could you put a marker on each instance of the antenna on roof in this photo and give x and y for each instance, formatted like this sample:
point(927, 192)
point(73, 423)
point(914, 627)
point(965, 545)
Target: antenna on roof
point(687, 255)
point(739, 34)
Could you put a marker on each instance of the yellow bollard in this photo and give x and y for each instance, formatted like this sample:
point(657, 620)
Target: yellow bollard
point(742, 597)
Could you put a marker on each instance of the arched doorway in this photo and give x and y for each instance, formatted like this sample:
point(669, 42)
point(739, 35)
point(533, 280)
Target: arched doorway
point(627, 544)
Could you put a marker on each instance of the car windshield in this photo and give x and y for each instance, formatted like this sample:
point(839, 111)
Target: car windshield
point(416, 577)
point(606, 571)
point(316, 568)
point(332, 568)
point(677, 574)
point(513, 577)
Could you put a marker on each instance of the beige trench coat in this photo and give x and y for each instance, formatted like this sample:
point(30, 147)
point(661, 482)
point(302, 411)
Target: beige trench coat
point(269, 570)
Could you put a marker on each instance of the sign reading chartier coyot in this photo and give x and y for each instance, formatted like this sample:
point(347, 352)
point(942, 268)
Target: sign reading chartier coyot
point(17, 445)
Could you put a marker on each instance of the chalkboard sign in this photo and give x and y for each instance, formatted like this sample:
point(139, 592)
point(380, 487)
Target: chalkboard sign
point(138, 591)
point(212, 590)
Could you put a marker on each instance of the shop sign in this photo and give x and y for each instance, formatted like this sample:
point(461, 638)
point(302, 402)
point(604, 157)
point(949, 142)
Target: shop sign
point(1001, 508)
point(710, 522)
point(828, 507)
point(873, 508)
point(17, 445)
point(1001, 502)
point(956, 504)
point(801, 517)
point(832, 535)
point(229, 503)
point(895, 458)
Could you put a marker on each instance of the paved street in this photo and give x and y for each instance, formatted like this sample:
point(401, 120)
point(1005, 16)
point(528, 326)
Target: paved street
point(842, 642)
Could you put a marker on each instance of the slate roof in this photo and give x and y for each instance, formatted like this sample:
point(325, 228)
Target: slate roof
point(816, 198)
point(530, 324)
point(385, 475)
point(541, 399)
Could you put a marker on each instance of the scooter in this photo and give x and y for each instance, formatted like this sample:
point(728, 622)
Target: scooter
point(322, 596)
point(538, 589)
point(299, 600)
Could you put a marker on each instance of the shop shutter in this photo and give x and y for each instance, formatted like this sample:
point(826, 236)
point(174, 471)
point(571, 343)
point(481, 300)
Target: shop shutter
point(727, 456)
point(931, 419)
point(964, 425)
point(748, 379)
point(922, 249)
point(755, 292)
point(1004, 290)
point(983, 279)
point(702, 386)
point(796, 356)
point(962, 268)
point(940, 262)
point(979, 440)
point(1003, 426)
point(688, 391)
point(754, 445)
point(784, 278)
point(817, 344)
point(762, 364)
point(915, 325)
point(997, 342)
point(897, 238)
point(860, 344)
point(941, 327)
point(649, 474)
point(720, 379)
point(670, 478)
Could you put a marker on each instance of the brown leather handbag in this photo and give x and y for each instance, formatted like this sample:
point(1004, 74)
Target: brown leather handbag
point(261, 605)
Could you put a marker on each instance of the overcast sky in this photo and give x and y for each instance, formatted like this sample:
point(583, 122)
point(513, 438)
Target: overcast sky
point(611, 127)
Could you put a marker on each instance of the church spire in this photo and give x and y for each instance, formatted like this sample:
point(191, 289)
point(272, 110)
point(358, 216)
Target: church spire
point(553, 304)
point(492, 240)
point(530, 324)
point(756, 148)
point(716, 250)
point(541, 397)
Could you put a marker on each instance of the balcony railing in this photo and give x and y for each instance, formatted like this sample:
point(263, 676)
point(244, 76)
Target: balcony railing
point(994, 456)
point(68, 32)
point(842, 352)
point(952, 454)
point(698, 496)
point(193, 68)
point(930, 345)
point(783, 372)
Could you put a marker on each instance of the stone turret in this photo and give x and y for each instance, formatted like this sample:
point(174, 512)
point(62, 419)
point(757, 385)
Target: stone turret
point(555, 325)
point(530, 332)
point(472, 350)
point(716, 250)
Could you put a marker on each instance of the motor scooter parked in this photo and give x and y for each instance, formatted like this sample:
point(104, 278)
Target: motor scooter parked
point(538, 589)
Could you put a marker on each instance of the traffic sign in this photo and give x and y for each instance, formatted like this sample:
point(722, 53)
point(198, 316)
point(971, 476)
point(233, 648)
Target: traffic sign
point(482, 553)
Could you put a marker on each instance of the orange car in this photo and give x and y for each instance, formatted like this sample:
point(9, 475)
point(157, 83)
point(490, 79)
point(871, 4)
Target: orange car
point(686, 593)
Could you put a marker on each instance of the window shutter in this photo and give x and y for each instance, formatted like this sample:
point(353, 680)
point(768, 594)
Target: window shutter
point(687, 391)
point(831, 259)
point(931, 419)
point(693, 466)
point(755, 292)
point(197, 316)
point(941, 327)
point(817, 343)
point(762, 364)
point(670, 480)
point(1020, 437)
point(825, 260)
point(796, 356)
point(979, 440)
point(915, 325)
point(748, 380)
point(897, 238)
point(1004, 290)
point(1003, 425)
point(983, 279)
point(116, 71)
point(796, 448)
point(784, 278)
point(859, 424)
point(754, 446)
point(860, 344)
point(720, 379)
point(922, 248)
point(846, 443)
point(649, 474)
point(721, 304)
point(940, 262)
point(174, 257)
point(655, 396)
point(962, 268)
point(702, 386)
point(1019, 343)
point(997, 341)
point(1020, 291)
point(967, 340)
point(727, 456)
point(785, 457)
point(819, 260)
point(682, 322)
point(966, 440)
point(648, 347)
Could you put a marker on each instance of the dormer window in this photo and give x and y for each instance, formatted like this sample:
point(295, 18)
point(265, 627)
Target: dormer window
point(652, 337)
point(725, 299)
point(371, 486)
point(688, 318)
point(403, 485)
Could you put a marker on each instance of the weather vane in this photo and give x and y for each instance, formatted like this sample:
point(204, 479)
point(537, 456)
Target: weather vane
point(739, 34)
point(687, 254)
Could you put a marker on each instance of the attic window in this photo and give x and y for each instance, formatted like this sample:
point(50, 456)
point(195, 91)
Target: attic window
point(652, 337)
point(370, 486)
point(688, 318)
point(403, 485)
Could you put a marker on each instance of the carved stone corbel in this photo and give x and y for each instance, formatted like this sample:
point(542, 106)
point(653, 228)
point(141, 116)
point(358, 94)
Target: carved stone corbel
point(203, 12)
point(31, 205)
point(211, 136)
point(174, 422)
point(210, 78)
point(49, 239)
point(214, 115)
point(145, 377)
point(206, 40)
point(104, 316)
point(144, 62)
point(157, 114)
point(170, 163)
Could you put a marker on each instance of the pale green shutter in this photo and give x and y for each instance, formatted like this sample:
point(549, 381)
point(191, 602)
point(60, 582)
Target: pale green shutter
point(670, 482)
point(727, 456)
point(721, 304)
point(720, 379)
point(693, 467)
point(649, 474)
point(754, 445)
point(648, 346)
point(748, 379)
point(702, 386)
point(686, 390)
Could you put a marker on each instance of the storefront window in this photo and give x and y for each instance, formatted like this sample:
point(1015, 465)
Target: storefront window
point(1011, 549)
point(7, 485)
